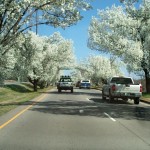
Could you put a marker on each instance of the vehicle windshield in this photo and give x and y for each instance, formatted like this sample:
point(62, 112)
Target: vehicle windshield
point(119, 80)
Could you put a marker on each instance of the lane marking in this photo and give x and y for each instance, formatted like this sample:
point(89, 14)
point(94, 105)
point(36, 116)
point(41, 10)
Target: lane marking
point(21, 112)
point(145, 104)
point(88, 99)
point(109, 117)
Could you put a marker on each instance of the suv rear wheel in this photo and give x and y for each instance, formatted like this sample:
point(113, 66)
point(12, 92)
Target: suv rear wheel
point(110, 97)
point(103, 97)
point(136, 100)
point(72, 90)
point(59, 90)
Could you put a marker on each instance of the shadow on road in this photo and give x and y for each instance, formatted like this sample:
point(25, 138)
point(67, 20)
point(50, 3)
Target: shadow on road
point(82, 108)
point(117, 101)
point(95, 107)
point(17, 88)
point(67, 92)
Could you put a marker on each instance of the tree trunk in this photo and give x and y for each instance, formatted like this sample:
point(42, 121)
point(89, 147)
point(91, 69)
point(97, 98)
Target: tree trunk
point(34, 82)
point(18, 79)
point(42, 84)
point(35, 85)
point(147, 79)
point(2, 78)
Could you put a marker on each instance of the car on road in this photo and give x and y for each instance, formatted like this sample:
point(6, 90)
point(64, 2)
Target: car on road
point(65, 83)
point(85, 84)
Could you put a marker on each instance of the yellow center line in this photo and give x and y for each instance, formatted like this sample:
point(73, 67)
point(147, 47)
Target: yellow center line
point(21, 112)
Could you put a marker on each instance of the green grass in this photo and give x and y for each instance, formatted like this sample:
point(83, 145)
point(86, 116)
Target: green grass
point(16, 94)
point(145, 95)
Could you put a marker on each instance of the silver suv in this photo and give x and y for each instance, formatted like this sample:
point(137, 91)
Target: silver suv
point(65, 83)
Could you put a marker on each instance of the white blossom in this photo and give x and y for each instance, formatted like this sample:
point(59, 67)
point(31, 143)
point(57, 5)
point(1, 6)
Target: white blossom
point(17, 17)
point(44, 56)
point(97, 68)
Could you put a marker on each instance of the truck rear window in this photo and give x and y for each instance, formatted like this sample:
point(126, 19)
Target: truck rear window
point(119, 80)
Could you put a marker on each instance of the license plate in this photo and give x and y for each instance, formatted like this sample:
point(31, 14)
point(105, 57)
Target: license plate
point(132, 94)
point(129, 94)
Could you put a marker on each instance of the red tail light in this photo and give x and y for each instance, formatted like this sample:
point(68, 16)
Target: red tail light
point(113, 87)
point(140, 88)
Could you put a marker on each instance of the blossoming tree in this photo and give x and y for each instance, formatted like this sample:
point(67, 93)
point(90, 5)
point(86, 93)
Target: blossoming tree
point(41, 58)
point(98, 68)
point(124, 32)
point(16, 17)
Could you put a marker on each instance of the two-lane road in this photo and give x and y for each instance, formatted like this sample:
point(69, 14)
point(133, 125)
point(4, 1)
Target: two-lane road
point(76, 121)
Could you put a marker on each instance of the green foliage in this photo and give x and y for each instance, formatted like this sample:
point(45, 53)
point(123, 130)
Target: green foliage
point(146, 95)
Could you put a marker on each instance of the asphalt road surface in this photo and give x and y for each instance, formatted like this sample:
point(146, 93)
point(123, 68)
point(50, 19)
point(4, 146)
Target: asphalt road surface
point(76, 121)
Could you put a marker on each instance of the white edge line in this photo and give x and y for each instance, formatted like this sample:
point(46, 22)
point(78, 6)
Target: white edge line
point(145, 104)
point(109, 117)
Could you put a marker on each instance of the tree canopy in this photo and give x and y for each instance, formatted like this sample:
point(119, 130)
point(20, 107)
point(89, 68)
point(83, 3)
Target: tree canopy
point(17, 17)
point(98, 68)
point(41, 58)
point(124, 32)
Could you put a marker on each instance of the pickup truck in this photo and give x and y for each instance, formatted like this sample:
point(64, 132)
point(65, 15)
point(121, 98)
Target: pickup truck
point(122, 87)
point(65, 83)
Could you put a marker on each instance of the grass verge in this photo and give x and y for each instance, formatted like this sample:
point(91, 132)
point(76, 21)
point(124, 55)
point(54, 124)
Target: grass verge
point(146, 95)
point(16, 94)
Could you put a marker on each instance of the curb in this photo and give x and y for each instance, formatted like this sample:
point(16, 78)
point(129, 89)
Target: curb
point(144, 101)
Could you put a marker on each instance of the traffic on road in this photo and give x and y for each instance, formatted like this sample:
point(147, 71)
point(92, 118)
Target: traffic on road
point(78, 120)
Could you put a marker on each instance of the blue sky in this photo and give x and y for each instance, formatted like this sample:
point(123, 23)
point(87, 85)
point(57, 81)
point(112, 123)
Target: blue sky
point(79, 32)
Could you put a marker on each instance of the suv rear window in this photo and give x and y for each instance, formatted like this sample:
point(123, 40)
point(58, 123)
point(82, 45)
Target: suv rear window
point(65, 80)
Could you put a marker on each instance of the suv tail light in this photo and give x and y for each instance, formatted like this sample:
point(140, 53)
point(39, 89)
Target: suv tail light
point(113, 87)
point(140, 88)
